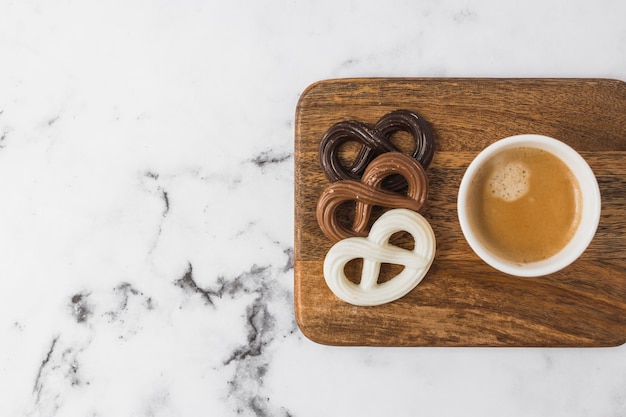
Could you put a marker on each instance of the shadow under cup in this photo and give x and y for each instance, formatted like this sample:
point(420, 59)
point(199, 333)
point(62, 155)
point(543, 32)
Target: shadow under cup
point(589, 215)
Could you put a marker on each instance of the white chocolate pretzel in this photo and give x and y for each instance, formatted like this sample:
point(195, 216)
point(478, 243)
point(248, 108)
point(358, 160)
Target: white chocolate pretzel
point(375, 249)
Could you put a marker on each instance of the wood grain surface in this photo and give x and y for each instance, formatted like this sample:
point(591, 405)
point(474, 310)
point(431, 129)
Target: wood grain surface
point(462, 301)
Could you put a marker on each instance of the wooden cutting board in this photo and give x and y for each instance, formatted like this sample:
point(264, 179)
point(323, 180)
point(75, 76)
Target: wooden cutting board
point(462, 301)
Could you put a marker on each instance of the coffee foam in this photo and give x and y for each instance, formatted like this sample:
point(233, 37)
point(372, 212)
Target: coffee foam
point(509, 181)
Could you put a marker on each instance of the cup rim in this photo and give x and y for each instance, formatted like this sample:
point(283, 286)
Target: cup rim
point(590, 216)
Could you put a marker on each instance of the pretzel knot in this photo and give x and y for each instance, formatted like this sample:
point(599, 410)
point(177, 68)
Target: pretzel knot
point(375, 250)
point(374, 141)
point(369, 192)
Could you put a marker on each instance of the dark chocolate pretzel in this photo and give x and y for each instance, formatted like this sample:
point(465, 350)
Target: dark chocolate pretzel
point(374, 141)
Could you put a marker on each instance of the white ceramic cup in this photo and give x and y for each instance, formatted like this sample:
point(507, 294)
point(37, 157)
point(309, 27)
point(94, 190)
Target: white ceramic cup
point(590, 215)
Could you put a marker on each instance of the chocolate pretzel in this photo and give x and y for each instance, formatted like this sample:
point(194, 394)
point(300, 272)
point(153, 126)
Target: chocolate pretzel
point(374, 141)
point(369, 192)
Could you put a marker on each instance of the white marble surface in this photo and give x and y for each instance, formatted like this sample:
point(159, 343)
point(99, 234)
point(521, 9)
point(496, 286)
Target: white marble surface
point(146, 183)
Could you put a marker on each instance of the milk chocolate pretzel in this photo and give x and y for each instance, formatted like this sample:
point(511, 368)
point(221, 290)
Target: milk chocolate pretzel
point(369, 192)
point(374, 141)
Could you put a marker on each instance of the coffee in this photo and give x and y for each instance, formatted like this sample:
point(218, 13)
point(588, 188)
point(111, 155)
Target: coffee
point(524, 204)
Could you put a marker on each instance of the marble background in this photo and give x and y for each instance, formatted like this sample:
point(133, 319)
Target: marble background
point(146, 206)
